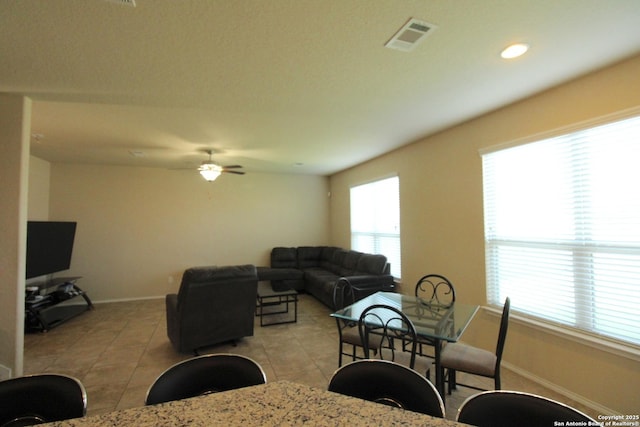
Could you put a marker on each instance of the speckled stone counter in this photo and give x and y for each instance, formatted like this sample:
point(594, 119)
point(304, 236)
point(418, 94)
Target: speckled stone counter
point(279, 403)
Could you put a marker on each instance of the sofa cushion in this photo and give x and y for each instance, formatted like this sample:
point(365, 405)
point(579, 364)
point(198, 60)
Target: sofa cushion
point(268, 273)
point(282, 279)
point(309, 256)
point(199, 276)
point(287, 284)
point(371, 264)
point(336, 262)
point(284, 257)
point(326, 257)
point(320, 283)
point(318, 274)
point(349, 263)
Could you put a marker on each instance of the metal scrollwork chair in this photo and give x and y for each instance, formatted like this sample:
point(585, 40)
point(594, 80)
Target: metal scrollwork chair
point(388, 329)
point(435, 288)
point(348, 333)
point(37, 399)
point(210, 373)
point(388, 383)
point(437, 293)
point(476, 361)
point(511, 408)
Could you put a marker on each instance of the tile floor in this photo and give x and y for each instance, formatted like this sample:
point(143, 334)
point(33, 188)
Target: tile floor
point(118, 349)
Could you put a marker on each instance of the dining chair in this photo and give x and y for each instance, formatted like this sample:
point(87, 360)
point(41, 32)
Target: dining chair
point(348, 333)
point(205, 374)
point(388, 383)
point(37, 399)
point(437, 292)
point(435, 289)
point(512, 408)
point(388, 329)
point(473, 360)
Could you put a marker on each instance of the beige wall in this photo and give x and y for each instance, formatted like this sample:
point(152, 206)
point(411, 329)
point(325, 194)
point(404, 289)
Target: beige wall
point(39, 173)
point(15, 124)
point(139, 228)
point(442, 226)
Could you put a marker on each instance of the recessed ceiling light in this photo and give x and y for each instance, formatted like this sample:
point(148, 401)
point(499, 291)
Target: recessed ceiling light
point(514, 50)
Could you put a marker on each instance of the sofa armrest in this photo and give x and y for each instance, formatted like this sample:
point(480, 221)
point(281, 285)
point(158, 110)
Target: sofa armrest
point(171, 301)
point(173, 326)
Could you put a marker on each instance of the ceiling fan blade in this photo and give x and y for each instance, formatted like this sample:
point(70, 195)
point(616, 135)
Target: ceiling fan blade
point(236, 172)
point(232, 167)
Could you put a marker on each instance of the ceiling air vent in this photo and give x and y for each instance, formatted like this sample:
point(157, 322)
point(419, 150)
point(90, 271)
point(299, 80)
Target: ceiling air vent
point(131, 3)
point(410, 35)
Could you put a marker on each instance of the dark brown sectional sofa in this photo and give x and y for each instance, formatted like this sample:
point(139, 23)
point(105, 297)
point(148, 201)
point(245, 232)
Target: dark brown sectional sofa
point(315, 270)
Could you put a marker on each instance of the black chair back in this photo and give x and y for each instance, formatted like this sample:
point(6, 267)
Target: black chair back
point(388, 383)
point(502, 333)
point(498, 408)
point(343, 294)
point(36, 399)
point(435, 289)
point(205, 374)
point(390, 328)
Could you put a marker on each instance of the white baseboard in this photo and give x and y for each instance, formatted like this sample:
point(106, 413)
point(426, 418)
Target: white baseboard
point(127, 299)
point(600, 409)
point(5, 373)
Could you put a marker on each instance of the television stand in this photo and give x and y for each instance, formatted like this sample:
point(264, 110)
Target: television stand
point(57, 301)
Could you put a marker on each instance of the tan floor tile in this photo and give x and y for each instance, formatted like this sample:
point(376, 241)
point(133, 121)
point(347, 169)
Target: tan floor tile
point(114, 354)
point(104, 397)
point(327, 364)
point(133, 397)
point(37, 364)
point(116, 372)
point(145, 376)
point(77, 368)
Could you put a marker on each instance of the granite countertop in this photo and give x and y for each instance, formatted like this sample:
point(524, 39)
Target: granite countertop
point(279, 403)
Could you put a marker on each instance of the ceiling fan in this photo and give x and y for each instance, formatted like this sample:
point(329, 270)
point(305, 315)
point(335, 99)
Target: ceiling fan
point(210, 170)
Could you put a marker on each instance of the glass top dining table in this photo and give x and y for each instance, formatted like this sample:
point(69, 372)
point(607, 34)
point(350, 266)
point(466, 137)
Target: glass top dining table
point(434, 321)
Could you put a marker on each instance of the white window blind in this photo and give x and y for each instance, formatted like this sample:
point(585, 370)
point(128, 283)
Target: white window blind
point(375, 220)
point(562, 229)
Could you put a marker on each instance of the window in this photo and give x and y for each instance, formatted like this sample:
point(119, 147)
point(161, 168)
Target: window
point(562, 229)
point(375, 220)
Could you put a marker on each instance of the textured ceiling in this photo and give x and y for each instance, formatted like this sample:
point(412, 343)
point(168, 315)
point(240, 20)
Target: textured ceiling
point(279, 83)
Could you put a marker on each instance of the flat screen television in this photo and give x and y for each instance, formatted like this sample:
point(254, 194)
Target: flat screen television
point(49, 246)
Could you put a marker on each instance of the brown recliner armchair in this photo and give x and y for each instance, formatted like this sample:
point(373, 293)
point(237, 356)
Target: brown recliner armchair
point(214, 305)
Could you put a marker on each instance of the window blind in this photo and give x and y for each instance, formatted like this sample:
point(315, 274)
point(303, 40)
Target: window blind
point(375, 220)
point(562, 229)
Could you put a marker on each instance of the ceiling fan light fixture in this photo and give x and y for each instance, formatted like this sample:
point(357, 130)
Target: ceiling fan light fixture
point(210, 171)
